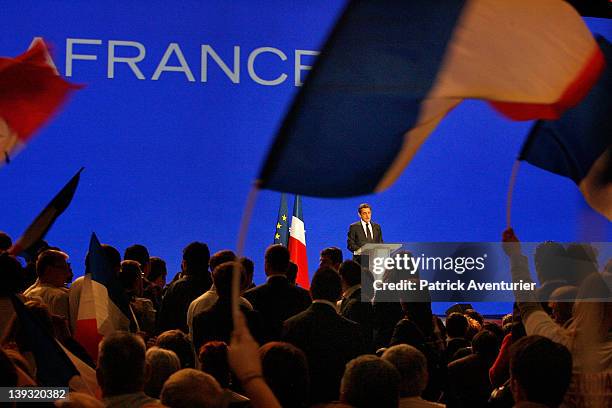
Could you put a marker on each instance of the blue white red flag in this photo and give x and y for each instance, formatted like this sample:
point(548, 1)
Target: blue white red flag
point(391, 70)
point(297, 244)
point(579, 145)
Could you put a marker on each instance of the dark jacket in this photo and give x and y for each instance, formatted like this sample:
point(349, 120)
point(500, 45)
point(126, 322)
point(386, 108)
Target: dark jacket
point(329, 342)
point(357, 238)
point(468, 382)
point(178, 296)
point(362, 312)
point(276, 301)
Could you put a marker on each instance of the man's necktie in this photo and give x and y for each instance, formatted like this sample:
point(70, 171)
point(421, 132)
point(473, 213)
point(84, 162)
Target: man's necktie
point(368, 234)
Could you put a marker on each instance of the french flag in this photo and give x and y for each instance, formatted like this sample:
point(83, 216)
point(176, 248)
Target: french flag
point(31, 92)
point(392, 70)
point(103, 307)
point(297, 244)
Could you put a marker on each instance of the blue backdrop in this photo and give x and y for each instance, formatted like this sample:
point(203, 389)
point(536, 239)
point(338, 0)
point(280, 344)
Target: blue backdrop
point(172, 142)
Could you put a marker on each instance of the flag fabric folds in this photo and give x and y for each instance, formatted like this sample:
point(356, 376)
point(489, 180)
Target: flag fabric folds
point(43, 222)
point(53, 367)
point(281, 235)
point(579, 144)
point(103, 306)
point(391, 70)
point(31, 91)
point(297, 244)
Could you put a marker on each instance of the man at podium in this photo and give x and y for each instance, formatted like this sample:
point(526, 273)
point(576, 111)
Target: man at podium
point(363, 231)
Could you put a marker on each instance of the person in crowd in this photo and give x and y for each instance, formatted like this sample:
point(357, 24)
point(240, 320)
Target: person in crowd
point(12, 281)
point(561, 304)
point(157, 281)
point(142, 317)
point(587, 336)
point(163, 363)
point(292, 273)
point(352, 305)
point(5, 241)
point(179, 294)
point(541, 371)
point(277, 300)
point(54, 271)
point(456, 329)
point(243, 358)
point(140, 254)
point(189, 388)
point(249, 271)
point(468, 377)
point(370, 382)
point(328, 339)
point(206, 300)
point(15, 371)
point(213, 360)
point(414, 376)
point(177, 341)
point(79, 400)
point(122, 371)
point(215, 323)
point(331, 257)
point(549, 259)
point(582, 261)
point(285, 370)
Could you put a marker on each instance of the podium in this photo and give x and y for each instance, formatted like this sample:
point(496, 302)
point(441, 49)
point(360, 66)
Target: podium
point(372, 251)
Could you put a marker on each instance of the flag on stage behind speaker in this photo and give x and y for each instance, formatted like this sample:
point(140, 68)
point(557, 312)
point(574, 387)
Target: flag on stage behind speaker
point(281, 234)
point(297, 244)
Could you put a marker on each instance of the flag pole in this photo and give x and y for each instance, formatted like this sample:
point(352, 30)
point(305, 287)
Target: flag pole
point(242, 234)
point(511, 184)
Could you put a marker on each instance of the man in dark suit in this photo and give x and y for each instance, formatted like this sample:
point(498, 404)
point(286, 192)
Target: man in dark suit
point(352, 306)
point(277, 299)
point(328, 339)
point(363, 231)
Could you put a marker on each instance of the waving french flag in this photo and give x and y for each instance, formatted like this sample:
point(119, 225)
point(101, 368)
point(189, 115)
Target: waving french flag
point(297, 244)
point(391, 70)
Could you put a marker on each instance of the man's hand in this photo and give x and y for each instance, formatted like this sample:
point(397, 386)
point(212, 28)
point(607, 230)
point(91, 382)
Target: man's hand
point(243, 352)
point(511, 244)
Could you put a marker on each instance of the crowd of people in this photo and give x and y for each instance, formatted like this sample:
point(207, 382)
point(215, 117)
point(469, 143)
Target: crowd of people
point(333, 345)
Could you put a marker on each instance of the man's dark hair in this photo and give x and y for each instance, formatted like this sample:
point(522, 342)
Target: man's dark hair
point(220, 257)
point(486, 344)
point(370, 382)
point(549, 258)
point(333, 253)
point(178, 342)
point(249, 268)
point(326, 285)
point(48, 258)
point(121, 364)
point(222, 278)
point(362, 206)
point(12, 274)
point(5, 241)
point(542, 369)
point(411, 364)
point(276, 259)
point(350, 272)
point(138, 253)
point(158, 268)
point(292, 272)
point(456, 325)
point(474, 315)
point(113, 256)
point(213, 360)
point(129, 274)
point(285, 370)
point(196, 256)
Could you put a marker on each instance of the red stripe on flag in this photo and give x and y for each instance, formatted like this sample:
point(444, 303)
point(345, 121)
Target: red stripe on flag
point(297, 252)
point(86, 333)
point(575, 92)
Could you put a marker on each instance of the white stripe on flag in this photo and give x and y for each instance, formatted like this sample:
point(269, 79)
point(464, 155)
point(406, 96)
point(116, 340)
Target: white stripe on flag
point(297, 230)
